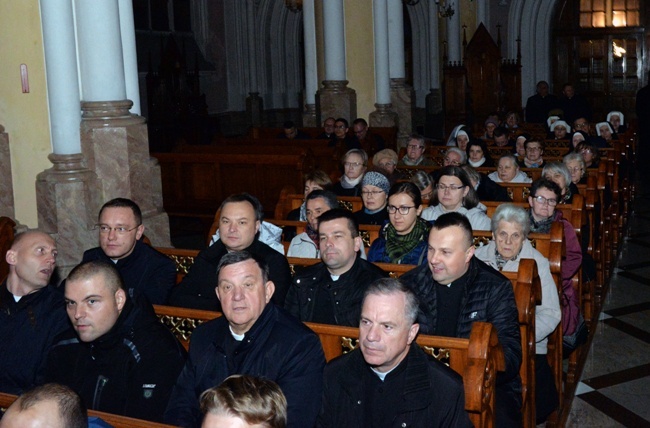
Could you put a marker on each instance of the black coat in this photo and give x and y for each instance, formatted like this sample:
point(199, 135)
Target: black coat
point(432, 394)
point(346, 293)
point(128, 371)
point(197, 290)
point(144, 271)
point(488, 190)
point(277, 347)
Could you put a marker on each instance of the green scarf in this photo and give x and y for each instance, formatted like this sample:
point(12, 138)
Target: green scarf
point(397, 246)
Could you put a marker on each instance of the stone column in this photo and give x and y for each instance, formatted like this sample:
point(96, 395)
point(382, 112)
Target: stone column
point(7, 207)
point(482, 13)
point(335, 98)
point(114, 142)
point(402, 95)
point(453, 36)
point(434, 118)
point(383, 116)
point(129, 54)
point(254, 103)
point(311, 65)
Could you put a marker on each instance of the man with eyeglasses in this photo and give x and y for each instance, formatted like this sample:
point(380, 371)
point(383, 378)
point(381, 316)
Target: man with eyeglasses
point(144, 270)
point(342, 141)
point(455, 289)
point(330, 292)
point(415, 153)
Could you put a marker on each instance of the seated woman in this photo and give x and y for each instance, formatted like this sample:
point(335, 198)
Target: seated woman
point(486, 189)
point(560, 175)
point(354, 164)
point(306, 244)
point(455, 193)
point(512, 121)
point(534, 151)
point(490, 125)
point(478, 154)
point(404, 238)
point(508, 171)
point(617, 120)
point(314, 180)
point(578, 137)
point(605, 131)
point(385, 161)
point(520, 145)
point(544, 197)
point(374, 194)
point(559, 130)
point(589, 154)
point(454, 156)
point(424, 183)
point(459, 137)
point(576, 166)
point(509, 245)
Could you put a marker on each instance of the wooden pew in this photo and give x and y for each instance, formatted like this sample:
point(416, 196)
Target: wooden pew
point(389, 134)
point(476, 359)
point(116, 421)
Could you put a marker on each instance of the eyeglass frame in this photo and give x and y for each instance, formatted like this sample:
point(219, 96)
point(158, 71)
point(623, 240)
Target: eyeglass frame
point(451, 187)
point(392, 209)
point(371, 192)
point(353, 165)
point(543, 201)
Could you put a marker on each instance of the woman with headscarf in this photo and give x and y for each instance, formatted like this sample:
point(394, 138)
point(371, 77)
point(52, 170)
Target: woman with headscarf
point(374, 194)
point(617, 120)
point(605, 131)
point(459, 137)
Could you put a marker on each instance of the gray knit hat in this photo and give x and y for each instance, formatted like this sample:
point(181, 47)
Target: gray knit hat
point(378, 179)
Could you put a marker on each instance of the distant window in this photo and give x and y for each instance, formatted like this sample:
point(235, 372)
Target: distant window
point(609, 13)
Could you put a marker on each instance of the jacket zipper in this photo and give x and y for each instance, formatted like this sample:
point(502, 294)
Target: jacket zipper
point(99, 387)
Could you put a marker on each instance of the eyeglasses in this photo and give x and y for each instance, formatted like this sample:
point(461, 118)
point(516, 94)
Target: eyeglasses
point(542, 200)
point(415, 146)
point(371, 192)
point(340, 127)
point(450, 161)
point(581, 125)
point(353, 165)
point(575, 169)
point(121, 230)
point(533, 149)
point(451, 187)
point(402, 210)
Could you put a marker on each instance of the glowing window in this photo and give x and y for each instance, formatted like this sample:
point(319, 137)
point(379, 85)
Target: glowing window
point(609, 13)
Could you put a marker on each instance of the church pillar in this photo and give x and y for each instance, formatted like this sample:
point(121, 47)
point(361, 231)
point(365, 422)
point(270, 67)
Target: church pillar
point(402, 95)
point(254, 103)
point(383, 116)
point(114, 142)
point(130, 56)
point(335, 98)
point(453, 37)
point(311, 71)
point(7, 208)
point(434, 120)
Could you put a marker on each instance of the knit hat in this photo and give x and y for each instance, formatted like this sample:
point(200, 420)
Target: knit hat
point(377, 179)
point(384, 154)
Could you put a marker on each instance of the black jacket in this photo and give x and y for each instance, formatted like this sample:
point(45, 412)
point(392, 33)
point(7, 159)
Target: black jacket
point(28, 329)
point(488, 190)
point(432, 394)
point(197, 290)
point(145, 271)
point(129, 371)
point(346, 293)
point(362, 217)
point(277, 347)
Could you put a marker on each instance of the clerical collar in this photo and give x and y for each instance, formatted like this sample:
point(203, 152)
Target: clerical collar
point(238, 337)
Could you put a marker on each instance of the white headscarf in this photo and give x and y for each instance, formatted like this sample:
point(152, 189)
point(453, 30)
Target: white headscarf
point(454, 133)
point(552, 119)
point(616, 113)
point(560, 123)
point(601, 124)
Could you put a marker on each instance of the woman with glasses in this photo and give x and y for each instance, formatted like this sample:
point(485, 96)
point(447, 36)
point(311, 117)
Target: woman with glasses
point(544, 197)
point(560, 175)
point(509, 245)
point(374, 194)
point(455, 193)
point(354, 166)
point(533, 157)
point(404, 238)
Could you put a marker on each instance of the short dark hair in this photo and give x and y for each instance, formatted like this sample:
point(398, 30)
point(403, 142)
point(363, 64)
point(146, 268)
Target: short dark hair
point(246, 197)
point(410, 189)
point(71, 409)
point(319, 177)
point(288, 124)
point(92, 268)
point(455, 219)
point(500, 131)
point(535, 140)
point(123, 203)
point(478, 142)
point(547, 184)
point(235, 257)
point(328, 196)
point(471, 199)
point(361, 121)
point(391, 286)
point(345, 121)
point(337, 213)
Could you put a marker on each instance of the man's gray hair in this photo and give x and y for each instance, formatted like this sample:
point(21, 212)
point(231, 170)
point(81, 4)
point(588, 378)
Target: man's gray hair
point(388, 286)
point(511, 213)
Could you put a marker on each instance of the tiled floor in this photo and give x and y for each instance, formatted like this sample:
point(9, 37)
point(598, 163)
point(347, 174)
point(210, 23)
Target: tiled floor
point(615, 385)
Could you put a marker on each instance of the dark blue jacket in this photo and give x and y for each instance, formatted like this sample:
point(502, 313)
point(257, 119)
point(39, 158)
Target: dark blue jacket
point(416, 256)
point(278, 347)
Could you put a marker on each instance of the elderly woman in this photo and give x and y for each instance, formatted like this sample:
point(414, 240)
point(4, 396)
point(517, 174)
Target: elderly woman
point(578, 137)
point(424, 183)
point(534, 149)
point(520, 144)
point(509, 245)
point(385, 161)
point(354, 164)
point(589, 154)
point(576, 166)
point(454, 156)
point(544, 197)
point(558, 173)
point(617, 120)
point(455, 193)
point(605, 131)
point(559, 130)
point(374, 194)
point(508, 171)
point(404, 239)
point(459, 137)
point(512, 121)
point(478, 154)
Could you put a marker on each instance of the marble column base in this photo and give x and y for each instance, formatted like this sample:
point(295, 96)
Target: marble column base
point(402, 98)
point(115, 146)
point(335, 99)
point(7, 207)
point(255, 108)
point(67, 203)
point(309, 119)
point(383, 117)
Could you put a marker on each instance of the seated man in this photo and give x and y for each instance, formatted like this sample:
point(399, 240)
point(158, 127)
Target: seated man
point(252, 337)
point(415, 153)
point(397, 382)
point(144, 270)
point(306, 244)
point(47, 406)
point(117, 356)
point(370, 142)
point(330, 292)
point(244, 401)
point(290, 132)
point(31, 310)
point(456, 289)
point(239, 223)
point(328, 129)
point(501, 137)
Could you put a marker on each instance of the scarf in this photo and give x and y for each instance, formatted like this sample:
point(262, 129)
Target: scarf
point(397, 246)
point(476, 164)
point(303, 211)
point(542, 226)
point(346, 183)
point(313, 235)
point(530, 164)
point(409, 162)
point(567, 196)
point(501, 262)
